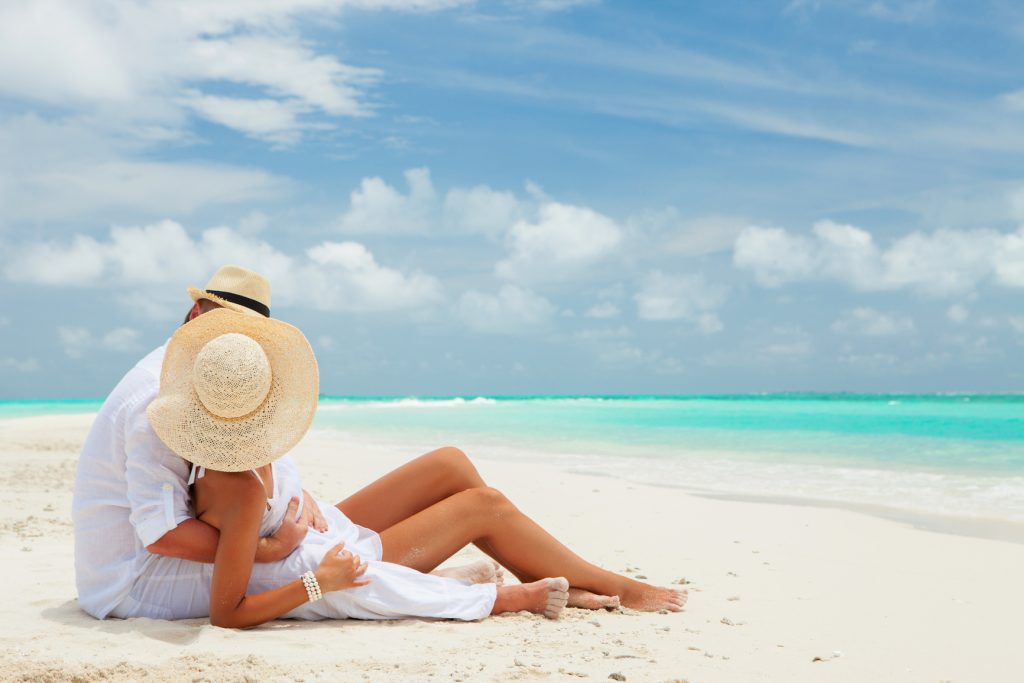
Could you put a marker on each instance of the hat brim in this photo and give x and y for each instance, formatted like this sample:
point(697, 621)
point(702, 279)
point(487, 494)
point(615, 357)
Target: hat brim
point(198, 294)
point(184, 424)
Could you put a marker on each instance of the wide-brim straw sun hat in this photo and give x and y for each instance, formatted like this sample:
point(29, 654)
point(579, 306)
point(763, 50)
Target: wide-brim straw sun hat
point(236, 391)
point(237, 288)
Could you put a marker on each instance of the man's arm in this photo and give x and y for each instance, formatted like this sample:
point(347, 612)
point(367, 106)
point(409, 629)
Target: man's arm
point(196, 540)
point(190, 540)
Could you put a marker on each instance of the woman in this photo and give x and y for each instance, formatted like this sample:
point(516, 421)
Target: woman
point(236, 392)
point(258, 421)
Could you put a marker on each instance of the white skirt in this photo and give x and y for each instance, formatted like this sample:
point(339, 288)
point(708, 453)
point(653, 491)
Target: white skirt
point(171, 588)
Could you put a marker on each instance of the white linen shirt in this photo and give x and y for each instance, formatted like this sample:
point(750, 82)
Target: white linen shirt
point(129, 491)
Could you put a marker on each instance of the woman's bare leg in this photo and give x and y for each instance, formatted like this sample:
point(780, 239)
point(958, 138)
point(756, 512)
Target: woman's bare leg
point(423, 482)
point(413, 487)
point(484, 516)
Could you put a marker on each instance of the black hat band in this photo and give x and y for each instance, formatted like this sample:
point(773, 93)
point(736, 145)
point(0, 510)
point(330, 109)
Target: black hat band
point(251, 304)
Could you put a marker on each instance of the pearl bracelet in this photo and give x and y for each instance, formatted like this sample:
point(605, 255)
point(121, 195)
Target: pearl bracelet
point(312, 586)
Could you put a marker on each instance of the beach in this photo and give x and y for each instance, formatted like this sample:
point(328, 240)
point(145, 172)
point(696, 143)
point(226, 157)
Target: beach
point(778, 592)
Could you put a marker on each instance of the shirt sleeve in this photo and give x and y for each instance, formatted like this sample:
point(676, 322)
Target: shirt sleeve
point(157, 488)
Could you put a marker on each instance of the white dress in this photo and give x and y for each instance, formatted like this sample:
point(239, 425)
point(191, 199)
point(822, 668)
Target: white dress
point(178, 589)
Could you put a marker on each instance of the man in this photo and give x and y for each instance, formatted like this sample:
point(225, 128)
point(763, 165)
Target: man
point(130, 507)
point(134, 532)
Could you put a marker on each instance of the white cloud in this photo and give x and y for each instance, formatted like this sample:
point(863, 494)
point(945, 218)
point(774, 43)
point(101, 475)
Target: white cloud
point(668, 230)
point(603, 309)
point(377, 207)
point(342, 276)
point(564, 240)
point(120, 339)
point(345, 275)
point(151, 61)
point(608, 303)
point(78, 341)
point(512, 311)
point(547, 240)
point(870, 361)
point(629, 355)
point(144, 186)
point(253, 223)
point(957, 313)
point(271, 120)
point(613, 347)
point(786, 343)
point(480, 209)
point(603, 333)
point(19, 364)
point(896, 11)
point(552, 5)
point(941, 263)
point(704, 234)
point(1014, 100)
point(900, 11)
point(285, 67)
point(775, 256)
point(680, 297)
point(871, 323)
point(119, 80)
point(60, 171)
point(764, 347)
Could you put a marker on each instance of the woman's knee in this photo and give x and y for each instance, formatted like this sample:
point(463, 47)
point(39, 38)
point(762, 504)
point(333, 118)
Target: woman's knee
point(458, 467)
point(490, 500)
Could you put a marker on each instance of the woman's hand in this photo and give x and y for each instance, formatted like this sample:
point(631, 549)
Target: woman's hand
point(317, 521)
point(340, 569)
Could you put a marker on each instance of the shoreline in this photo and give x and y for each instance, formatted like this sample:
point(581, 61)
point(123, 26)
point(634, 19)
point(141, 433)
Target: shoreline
point(970, 526)
point(973, 526)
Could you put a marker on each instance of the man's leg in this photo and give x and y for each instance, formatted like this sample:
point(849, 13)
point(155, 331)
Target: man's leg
point(411, 488)
point(168, 588)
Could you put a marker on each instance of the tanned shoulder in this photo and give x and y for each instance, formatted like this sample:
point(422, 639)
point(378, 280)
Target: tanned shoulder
point(227, 495)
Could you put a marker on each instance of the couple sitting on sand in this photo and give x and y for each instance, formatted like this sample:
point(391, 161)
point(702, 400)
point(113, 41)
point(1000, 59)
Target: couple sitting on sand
point(186, 504)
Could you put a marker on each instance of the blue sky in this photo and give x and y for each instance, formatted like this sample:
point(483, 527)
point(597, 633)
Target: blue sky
point(528, 196)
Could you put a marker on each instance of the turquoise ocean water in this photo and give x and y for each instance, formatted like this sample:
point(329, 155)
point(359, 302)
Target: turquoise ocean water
point(957, 455)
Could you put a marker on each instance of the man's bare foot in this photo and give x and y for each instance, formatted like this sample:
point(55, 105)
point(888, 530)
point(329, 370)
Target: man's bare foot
point(547, 597)
point(587, 600)
point(645, 598)
point(481, 571)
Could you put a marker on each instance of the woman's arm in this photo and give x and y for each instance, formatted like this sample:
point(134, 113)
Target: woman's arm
point(235, 505)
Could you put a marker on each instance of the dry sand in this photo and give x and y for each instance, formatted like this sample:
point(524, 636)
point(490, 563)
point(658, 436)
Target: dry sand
point(777, 592)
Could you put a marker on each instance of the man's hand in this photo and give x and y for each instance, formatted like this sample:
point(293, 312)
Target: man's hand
point(318, 522)
point(289, 535)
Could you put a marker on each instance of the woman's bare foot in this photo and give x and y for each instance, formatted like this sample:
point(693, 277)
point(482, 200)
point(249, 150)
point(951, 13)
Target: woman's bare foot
point(587, 600)
point(547, 597)
point(481, 571)
point(653, 598)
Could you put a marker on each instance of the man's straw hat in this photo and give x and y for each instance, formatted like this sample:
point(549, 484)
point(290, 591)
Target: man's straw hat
point(236, 391)
point(236, 288)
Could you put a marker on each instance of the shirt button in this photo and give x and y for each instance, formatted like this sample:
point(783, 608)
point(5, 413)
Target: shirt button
point(167, 487)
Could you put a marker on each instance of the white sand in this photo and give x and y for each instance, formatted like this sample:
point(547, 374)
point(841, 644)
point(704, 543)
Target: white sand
point(774, 587)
